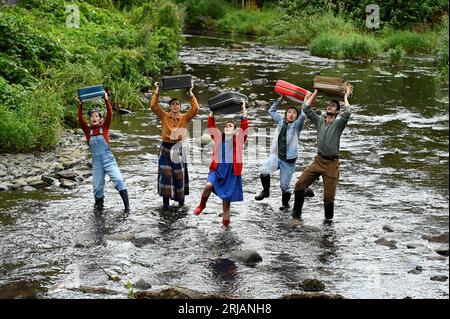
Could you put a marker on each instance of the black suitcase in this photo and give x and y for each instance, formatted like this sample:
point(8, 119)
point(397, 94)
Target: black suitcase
point(227, 102)
point(174, 82)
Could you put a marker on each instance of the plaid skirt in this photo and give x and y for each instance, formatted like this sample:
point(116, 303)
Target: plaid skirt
point(173, 178)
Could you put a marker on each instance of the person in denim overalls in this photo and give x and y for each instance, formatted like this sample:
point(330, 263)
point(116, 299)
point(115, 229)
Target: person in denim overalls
point(103, 161)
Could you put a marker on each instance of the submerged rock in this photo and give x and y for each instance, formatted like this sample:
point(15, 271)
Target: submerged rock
point(121, 236)
point(3, 188)
point(443, 250)
point(388, 229)
point(416, 270)
point(142, 284)
point(312, 295)
point(439, 278)
point(178, 293)
point(383, 241)
point(443, 238)
point(312, 285)
point(67, 174)
point(246, 256)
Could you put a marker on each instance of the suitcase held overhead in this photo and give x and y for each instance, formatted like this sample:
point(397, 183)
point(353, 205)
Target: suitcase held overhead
point(91, 93)
point(291, 91)
point(332, 86)
point(227, 102)
point(182, 81)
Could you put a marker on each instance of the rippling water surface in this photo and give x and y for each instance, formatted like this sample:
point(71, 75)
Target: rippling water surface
point(51, 238)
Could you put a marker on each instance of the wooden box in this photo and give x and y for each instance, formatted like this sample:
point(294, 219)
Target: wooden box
point(332, 86)
point(227, 102)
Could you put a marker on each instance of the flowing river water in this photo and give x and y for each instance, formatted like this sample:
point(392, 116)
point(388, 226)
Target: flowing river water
point(394, 172)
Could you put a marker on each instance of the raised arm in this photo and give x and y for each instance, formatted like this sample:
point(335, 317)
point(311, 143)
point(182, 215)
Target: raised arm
point(154, 105)
point(243, 129)
point(213, 131)
point(310, 99)
point(83, 123)
point(193, 111)
point(274, 108)
point(345, 115)
point(108, 116)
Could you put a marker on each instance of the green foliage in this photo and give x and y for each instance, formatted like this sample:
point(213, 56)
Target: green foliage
point(131, 293)
point(200, 13)
point(24, 52)
point(441, 50)
point(43, 63)
point(33, 124)
point(399, 14)
point(410, 42)
point(249, 21)
point(395, 55)
point(341, 46)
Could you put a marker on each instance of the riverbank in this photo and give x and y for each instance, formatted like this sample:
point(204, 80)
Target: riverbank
point(330, 33)
point(49, 49)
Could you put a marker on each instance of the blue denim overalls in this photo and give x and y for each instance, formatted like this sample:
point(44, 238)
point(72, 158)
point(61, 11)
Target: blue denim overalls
point(103, 162)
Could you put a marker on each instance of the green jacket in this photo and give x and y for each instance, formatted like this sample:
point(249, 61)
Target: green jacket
point(328, 136)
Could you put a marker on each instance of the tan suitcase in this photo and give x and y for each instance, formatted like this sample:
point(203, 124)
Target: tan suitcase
point(333, 86)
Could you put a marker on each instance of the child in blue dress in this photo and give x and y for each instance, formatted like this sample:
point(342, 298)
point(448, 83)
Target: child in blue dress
point(224, 178)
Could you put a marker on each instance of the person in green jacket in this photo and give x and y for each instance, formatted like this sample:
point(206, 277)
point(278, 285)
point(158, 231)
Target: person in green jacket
point(326, 163)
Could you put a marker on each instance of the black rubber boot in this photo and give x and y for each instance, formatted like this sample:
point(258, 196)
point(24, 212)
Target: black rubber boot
point(265, 181)
point(166, 202)
point(329, 210)
point(298, 204)
point(126, 203)
point(98, 207)
point(285, 197)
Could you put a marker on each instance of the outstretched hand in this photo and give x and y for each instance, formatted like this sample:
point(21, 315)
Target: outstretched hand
point(191, 94)
point(156, 85)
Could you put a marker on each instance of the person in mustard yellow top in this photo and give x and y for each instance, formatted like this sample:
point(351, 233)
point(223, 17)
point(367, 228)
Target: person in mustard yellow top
point(173, 178)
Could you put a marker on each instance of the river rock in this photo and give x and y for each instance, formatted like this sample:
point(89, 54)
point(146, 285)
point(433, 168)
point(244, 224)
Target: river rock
point(246, 256)
point(66, 183)
point(443, 250)
point(93, 290)
point(416, 270)
point(262, 81)
point(70, 163)
point(38, 183)
point(383, 241)
point(388, 229)
point(143, 241)
point(439, 278)
point(443, 238)
point(121, 236)
point(48, 179)
point(42, 166)
point(28, 189)
point(309, 192)
point(253, 96)
point(142, 284)
point(313, 285)
point(67, 174)
point(412, 246)
point(124, 111)
point(312, 295)
point(409, 149)
point(261, 103)
point(178, 293)
point(3, 188)
point(59, 167)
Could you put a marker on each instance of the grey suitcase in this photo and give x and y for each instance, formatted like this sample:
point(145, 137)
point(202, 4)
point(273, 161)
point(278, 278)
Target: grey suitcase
point(182, 81)
point(227, 102)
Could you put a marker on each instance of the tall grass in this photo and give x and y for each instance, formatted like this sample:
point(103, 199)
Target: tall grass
point(250, 21)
